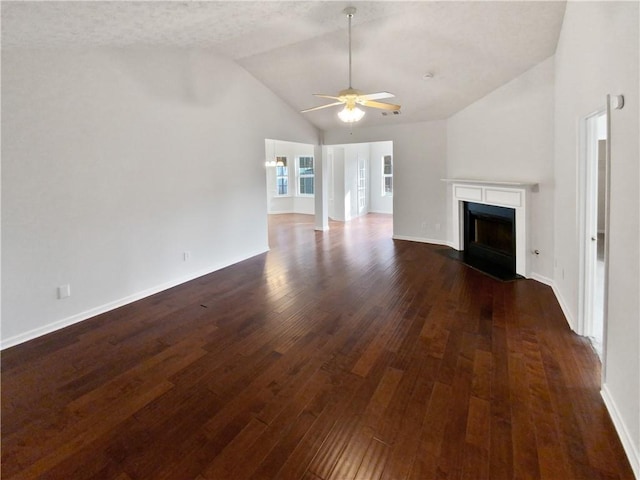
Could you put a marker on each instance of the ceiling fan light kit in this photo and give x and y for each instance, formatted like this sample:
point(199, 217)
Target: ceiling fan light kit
point(351, 97)
point(350, 115)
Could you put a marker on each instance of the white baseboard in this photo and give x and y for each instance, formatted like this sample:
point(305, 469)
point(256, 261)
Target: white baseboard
point(563, 305)
point(423, 240)
point(625, 438)
point(542, 279)
point(79, 317)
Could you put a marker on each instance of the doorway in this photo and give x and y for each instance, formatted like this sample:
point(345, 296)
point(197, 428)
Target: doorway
point(594, 232)
point(290, 178)
point(289, 168)
point(360, 179)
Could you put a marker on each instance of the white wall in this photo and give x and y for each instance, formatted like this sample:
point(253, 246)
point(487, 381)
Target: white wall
point(379, 203)
point(598, 55)
point(508, 136)
point(336, 183)
point(291, 203)
point(114, 163)
point(420, 159)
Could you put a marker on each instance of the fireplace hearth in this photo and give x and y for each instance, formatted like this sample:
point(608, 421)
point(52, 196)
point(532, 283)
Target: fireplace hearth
point(490, 239)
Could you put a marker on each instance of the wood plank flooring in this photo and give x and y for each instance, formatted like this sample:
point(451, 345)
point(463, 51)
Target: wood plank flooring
point(337, 355)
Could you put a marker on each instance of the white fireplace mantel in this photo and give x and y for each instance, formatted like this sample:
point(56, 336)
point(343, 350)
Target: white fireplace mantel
point(500, 193)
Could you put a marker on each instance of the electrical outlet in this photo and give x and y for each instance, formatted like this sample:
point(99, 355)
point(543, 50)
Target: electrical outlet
point(64, 291)
point(437, 227)
point(186, 256)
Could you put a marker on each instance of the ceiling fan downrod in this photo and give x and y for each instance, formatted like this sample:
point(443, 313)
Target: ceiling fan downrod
point(349, 12)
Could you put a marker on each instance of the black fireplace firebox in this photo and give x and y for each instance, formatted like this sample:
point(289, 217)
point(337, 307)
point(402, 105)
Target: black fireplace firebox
point(490, 239)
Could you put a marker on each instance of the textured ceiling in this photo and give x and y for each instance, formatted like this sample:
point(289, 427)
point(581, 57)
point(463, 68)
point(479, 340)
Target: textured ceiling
point(300, 48)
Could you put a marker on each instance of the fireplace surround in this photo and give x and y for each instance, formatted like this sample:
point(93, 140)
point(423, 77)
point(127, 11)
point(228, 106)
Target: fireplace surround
point(512, 195)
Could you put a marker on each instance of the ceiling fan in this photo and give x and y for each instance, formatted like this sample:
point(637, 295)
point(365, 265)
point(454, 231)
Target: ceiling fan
point(351, 97)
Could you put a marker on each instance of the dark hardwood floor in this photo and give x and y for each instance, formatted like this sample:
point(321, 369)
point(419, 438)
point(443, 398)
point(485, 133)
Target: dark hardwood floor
point(337, 355)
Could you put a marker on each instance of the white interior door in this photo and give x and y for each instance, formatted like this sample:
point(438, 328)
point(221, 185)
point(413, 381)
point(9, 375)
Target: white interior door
point(594, 231)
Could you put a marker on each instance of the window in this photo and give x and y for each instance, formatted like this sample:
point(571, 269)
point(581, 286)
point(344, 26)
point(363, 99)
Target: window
point(305, 176)
point(387, 176)
point(282, 176)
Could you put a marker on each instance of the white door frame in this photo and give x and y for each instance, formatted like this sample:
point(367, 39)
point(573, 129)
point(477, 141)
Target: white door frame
point(588, 225)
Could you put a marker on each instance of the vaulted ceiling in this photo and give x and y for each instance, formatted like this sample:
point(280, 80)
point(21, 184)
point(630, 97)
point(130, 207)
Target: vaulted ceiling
point(301, 47)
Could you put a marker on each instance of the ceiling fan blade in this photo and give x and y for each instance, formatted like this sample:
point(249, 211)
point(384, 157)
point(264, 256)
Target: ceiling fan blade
point(322, 95)
point(384, 106)
point(376, 96)
point(320, 107)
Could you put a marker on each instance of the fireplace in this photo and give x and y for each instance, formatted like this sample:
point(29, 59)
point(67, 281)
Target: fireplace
point(514, 197)
point(490, 239)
